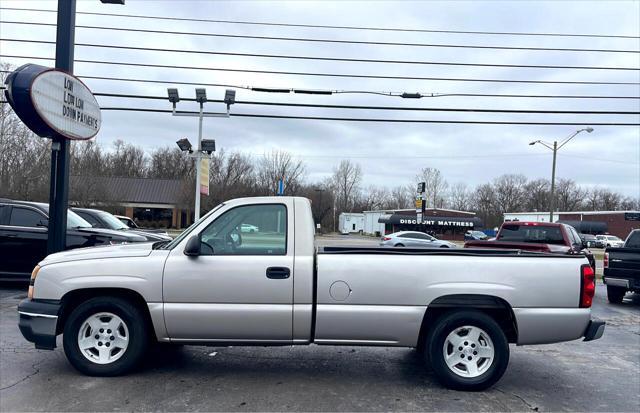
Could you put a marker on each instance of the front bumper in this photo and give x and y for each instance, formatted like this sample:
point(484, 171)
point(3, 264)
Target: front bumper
point(594, 330)
point(38, 322)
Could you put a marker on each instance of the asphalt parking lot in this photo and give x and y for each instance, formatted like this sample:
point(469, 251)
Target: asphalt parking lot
point(603, 375)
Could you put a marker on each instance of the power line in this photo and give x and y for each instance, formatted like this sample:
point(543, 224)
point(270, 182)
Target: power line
point(454, 157)
point(318, 26)
point(367, 107)
point(477, 122)
point(317, 40)
point(343, 75)
point(324, 58)
point(334, 92)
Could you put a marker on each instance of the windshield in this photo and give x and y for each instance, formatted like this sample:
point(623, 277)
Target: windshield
point(112, 222)
point(76, 221)
point(613, 238)
point(531, 233)
point(187, 231)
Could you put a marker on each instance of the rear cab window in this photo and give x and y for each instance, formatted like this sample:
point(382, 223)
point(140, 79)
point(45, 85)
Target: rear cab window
point(633, 241)
point(531, 233)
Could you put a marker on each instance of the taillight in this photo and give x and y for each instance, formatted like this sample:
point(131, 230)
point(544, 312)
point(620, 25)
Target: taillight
point(386, 239)
point(606, 260)
point(587, 286)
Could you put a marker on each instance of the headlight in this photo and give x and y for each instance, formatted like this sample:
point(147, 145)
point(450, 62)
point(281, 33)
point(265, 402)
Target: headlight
point(32, 281)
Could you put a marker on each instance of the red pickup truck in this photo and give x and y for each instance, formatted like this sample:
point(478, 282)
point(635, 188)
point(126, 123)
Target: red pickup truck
point(537, 237)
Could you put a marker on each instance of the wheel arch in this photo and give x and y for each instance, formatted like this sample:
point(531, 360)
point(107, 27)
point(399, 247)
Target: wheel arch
point(72, 299)
point(495, 307)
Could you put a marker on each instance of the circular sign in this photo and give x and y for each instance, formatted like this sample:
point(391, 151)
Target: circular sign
point(66, 104)
point(53, 103)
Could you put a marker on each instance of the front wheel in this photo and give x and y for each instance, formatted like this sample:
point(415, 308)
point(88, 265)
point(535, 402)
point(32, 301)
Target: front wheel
point(105, 336)
point(468, 350)
point(615, 294)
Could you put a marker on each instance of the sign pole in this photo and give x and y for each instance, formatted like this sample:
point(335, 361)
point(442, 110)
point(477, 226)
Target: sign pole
point(59, 183)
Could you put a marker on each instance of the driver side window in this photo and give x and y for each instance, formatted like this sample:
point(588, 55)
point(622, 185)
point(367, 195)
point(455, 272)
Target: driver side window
point(247, 230)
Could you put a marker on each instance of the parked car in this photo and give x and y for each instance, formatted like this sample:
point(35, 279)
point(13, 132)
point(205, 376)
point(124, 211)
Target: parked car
point(460, 308)
point(537, 236)
point(132, 225)
point(622, 268)
point(103, 219)
point(588, 240)
point(414, 239)
point(249, 228)
point(475, 235)
point(611, 241)
point(23, 237)
point(599, 241)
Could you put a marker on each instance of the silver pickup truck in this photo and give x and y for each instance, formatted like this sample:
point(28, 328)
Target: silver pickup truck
point(221, 284)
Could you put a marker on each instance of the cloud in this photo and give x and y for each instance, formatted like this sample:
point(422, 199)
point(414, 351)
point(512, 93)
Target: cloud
point(390, 154)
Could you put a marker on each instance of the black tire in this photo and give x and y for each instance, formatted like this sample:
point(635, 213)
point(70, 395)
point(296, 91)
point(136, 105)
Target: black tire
point(434, 350)
point(615, 294)
point(138, 336)
point(443, 246)
point(399, 245)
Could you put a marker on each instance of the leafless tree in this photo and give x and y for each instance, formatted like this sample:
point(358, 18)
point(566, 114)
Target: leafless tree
point(460, 197)
point(346, 183)
point(170, 163)
point(126, 160)
point(485, 205)
point(435, 186)
point(231, 176)
point(569, 196)
point(509, 190)
point(279, 165)
point(537, 195)
point(402, 197)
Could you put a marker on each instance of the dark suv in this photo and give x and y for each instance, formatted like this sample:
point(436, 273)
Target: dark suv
point(23, 237)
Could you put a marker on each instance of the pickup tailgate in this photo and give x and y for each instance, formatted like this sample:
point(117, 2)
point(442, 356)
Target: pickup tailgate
point(624, 263)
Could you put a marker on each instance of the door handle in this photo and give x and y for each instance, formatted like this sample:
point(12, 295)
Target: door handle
point(278, 273)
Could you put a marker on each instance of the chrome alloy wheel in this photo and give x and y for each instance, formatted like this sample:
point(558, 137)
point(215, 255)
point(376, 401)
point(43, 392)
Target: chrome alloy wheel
point(468, 351)
point(103, 338)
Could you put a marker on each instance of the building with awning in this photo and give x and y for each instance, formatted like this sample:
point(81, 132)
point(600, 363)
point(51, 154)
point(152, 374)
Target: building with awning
point(150, 202)
point(440, 222)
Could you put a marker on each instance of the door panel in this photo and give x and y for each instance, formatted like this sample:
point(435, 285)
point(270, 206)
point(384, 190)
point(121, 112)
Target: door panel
point(228, 297)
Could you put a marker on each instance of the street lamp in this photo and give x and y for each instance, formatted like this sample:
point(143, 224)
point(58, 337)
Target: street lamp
point(555, 147)
point(184, 145)
point(204, 145)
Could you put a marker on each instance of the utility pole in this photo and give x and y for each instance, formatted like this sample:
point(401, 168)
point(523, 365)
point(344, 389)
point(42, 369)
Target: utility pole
point(196, 212)
point(59, 182)
point(555, 148)
point(552, 201)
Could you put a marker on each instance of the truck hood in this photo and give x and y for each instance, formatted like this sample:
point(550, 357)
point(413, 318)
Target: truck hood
point(100, 252)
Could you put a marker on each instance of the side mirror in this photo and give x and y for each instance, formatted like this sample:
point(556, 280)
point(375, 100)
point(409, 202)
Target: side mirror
point(43, 223)
point(192, 248)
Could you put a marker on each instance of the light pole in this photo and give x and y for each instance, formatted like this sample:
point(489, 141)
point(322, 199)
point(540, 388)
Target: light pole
point(555, 147)
point(185, 145)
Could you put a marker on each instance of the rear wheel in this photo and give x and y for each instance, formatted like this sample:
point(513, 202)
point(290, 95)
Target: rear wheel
point(468, 350)
point(615, 294)
point(399, 245)
point(105, 336)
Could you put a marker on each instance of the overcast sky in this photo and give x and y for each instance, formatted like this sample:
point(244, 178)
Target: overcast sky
point(390, 153)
